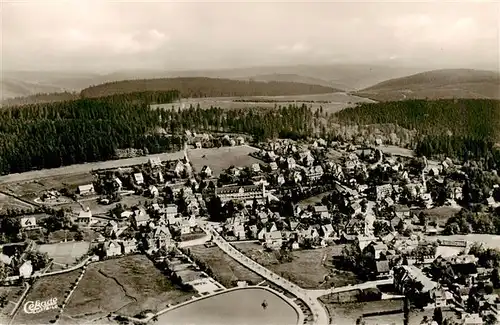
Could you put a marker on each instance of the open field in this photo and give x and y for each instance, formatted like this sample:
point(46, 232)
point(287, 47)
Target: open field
point(66, 253)
point(348, 313)
point(126, 286)
point(9, 202)
point(227, 271)
point(314, 199)
point(46, 288)
point(29, 188)
point(62, 173)
point(222, 158)
point(308, 269)
point(12, 294)
point(331, 102)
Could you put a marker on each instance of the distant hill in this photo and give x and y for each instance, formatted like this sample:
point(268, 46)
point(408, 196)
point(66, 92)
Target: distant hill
point(437, 84)
point(454, 127)
point(40, 98)
point(290, 77)
point(347, 77)
point(206, 87)
point(15, 88)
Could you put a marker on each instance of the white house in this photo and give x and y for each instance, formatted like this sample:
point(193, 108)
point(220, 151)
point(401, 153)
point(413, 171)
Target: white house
point(153, 190)
point(112, 248)
point(85, 218)
point(256, 168)
point(139, 178)
point(26, 269)
point(86, 189)
point(155, 162)
point(206, 171)
point(28, 223)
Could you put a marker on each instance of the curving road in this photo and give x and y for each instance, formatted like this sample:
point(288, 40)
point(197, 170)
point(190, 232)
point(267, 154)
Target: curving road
point(319, 313)
point(310, 297)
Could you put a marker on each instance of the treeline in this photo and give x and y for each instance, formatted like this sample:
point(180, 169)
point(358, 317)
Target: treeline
point(206, 87)
point(41, 98)
point(55, 134)
point(84, 130)
point(474, 118)
point(461, 128)
point(261, 123)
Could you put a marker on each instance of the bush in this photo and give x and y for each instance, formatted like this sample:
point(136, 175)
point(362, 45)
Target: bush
point(372, 294)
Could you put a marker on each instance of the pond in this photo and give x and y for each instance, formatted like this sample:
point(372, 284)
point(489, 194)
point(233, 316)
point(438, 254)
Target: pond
point(238, 307)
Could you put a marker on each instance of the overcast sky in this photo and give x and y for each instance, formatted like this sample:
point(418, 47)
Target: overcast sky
point(105, 36)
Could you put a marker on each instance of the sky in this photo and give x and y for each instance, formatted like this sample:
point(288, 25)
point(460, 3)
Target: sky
point(100, 35)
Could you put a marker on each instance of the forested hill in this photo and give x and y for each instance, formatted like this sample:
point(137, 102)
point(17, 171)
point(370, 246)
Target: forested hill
point(463, 127)
point(438, 84)
point(206, 87)
point(51, 135)
point(41, 98)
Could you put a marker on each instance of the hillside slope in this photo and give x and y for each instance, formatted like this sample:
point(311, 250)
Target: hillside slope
point(436, 84)
point(206, 87)
point(289, 77)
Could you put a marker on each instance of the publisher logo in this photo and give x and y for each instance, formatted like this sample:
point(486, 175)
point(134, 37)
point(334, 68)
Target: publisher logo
point(36, 307)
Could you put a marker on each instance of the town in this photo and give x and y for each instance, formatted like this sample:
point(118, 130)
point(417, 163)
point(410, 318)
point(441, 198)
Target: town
point(391, 221)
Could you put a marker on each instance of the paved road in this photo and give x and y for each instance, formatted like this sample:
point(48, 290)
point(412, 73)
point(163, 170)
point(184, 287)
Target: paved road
point(319, 313)
point(310, 297)
point(361, 286)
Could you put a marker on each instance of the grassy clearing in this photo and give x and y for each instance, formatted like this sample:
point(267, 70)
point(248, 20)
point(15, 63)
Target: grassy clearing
point(221, 158)
point(13, 294)
point(8, 202)
point(31, 188)
point(335, 102)
point(308, 269)
point(226, 269)
point(194, 236)
point(66, 253)
point(59, 235)
point(126, 286)
point(46, 288)
point(314, 199)
point(441, 214)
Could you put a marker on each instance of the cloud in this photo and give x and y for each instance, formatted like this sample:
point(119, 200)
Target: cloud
point(295, 48)
point(183, 35)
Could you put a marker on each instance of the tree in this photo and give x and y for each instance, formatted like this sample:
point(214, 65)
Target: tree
point(38, 260)
point(495, 278)
point(381, 228)
point(3, 271)
point(438, 316)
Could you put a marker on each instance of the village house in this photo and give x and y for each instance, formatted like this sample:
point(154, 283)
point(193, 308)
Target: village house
point(139, 178)
point(405, 275)
point(256, 168)
point(119, 184)
point(163, 237)
point(155, 162)
point(170, 211)
point(129, 246)
point(206, 171)
point(153, 191)
point(382, 269)
point(140, 218)
point(179, 168)
point(273, 166)
point(28, 223)
point(273, 240)
point(383, 191)
point(26, 269)
point(85, 219)
point(86, 189)
point(314, 173)
point(246, 192)
point(112, 248)
point(321, 211)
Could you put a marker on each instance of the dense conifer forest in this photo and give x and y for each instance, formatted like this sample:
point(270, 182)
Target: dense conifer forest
point(206, 87)
point(55, 134)
point(47, 135)
point(461, 128)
